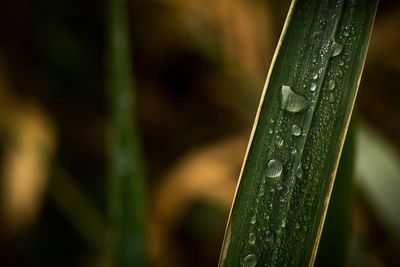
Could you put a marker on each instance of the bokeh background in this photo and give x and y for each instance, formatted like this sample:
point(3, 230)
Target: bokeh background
point(198, 68)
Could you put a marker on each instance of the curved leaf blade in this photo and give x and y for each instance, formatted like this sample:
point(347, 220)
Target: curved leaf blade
point(289, 169)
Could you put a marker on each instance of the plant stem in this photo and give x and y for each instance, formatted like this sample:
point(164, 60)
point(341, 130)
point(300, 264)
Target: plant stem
point(126, 198)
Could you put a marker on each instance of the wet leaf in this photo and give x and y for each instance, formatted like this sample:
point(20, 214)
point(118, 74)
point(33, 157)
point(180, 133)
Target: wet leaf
point(311, 88)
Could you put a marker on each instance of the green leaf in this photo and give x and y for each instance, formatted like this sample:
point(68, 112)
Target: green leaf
point(126, 189)
point(291, 162)
point(377, 157)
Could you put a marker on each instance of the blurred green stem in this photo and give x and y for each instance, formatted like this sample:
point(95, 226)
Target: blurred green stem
point(126, 197)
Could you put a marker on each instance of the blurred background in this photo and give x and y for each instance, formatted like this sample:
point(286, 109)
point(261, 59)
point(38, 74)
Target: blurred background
point(198, 68)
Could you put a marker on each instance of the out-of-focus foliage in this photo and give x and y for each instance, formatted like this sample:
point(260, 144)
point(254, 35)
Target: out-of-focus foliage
point(126, 187)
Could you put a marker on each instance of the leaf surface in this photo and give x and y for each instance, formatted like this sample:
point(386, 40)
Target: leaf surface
point(289, 169)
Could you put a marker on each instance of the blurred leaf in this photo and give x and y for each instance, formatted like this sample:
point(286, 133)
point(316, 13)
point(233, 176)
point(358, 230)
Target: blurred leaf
point(289, 170)
point(126, 186)
point(378, 173)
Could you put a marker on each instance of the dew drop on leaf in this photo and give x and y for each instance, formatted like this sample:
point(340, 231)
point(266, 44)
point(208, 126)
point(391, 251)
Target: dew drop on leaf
point(280, 187)
point(299, 171)
point(296, 130)
point(249, 261)
point(271, 190)
point(274, 168)
point(279, 141)
point(313, 87)
point(292, 102)
point(331, 97)
point(253, 219)
point(252, 238)
point(331, 85)
point(336, 49)
point(262, 190)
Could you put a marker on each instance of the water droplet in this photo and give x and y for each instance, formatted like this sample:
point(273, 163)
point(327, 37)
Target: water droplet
point(315, 76)
point(262, 192)
point(272, 190)
point(272, 120)
point(297, 225)
point(274, 168)
point(336, 49)
point(249, 261)
point(313, 87)
point(294, 150)
point(292, 102)
point(279, 141)
point(271, 131)
point(283, 224)
point(331, 97)
point(252, 238)
point(280, 187)
point(331, 85)
point(296, 130)
point(253, 219)
point(346, 34)
point(299, 171)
